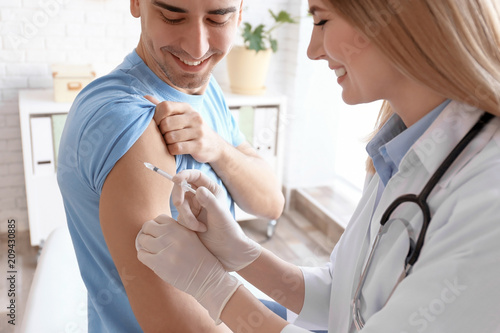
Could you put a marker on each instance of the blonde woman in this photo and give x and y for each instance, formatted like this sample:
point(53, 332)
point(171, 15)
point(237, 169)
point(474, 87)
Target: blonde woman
point(422, 251)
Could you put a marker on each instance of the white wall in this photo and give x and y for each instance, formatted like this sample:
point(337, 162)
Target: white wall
point(33, 35)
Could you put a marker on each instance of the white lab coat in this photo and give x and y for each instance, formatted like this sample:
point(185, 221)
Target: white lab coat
point(455, 284)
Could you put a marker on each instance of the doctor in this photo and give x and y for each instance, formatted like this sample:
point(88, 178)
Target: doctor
point(434, 266)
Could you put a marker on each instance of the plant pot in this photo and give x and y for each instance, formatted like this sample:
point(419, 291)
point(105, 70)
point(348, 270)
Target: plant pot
point(247, 70)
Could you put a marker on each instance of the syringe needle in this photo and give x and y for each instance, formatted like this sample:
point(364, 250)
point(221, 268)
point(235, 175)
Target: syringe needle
point(184, 185)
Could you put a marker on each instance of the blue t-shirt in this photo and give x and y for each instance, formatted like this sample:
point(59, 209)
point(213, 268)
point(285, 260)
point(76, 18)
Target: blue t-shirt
point(106, 119)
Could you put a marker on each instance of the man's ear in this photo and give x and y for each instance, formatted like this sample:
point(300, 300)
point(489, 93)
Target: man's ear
point(135, 8)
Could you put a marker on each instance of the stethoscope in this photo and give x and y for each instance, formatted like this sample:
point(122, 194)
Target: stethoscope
point(421, 201)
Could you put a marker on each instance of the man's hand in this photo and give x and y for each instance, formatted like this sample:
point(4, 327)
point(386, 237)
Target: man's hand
point(185, 132)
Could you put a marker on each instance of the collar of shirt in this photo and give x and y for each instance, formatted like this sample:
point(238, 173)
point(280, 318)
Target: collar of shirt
point(394, 139)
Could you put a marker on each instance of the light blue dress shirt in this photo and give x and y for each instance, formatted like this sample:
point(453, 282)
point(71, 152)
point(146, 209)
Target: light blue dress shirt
point(393, 141)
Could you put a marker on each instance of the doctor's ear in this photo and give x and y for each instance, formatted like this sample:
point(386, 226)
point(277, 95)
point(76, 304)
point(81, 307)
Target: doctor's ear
point(135, 8)
point(240, 13)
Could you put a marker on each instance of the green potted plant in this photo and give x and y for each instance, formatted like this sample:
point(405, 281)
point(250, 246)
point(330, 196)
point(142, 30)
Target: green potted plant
point(248, 64)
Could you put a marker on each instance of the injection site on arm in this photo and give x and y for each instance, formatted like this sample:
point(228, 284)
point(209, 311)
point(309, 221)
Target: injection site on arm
point(185, 186)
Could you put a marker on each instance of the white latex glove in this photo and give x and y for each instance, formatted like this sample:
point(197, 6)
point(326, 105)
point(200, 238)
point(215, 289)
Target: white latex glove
point(208, 214)
point(177, 256)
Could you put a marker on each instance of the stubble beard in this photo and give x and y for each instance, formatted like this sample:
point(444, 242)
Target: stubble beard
point(185, 80)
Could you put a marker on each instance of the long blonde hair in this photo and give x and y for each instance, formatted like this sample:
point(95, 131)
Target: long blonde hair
point(451, 46)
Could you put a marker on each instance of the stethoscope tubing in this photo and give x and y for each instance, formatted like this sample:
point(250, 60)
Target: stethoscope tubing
point(421, 199)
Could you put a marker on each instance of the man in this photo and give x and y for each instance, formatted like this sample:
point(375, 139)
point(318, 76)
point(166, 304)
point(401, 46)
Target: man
point(110, 132)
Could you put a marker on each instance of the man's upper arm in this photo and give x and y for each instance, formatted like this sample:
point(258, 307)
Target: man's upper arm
point(131, 195)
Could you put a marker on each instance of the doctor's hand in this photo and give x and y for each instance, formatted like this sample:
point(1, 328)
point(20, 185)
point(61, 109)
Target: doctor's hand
point(178, 257)
point(208, 214)
point(185, 132)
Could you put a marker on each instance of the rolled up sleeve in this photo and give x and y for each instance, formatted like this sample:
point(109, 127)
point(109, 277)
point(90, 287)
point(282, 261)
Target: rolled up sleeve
point(315, 311)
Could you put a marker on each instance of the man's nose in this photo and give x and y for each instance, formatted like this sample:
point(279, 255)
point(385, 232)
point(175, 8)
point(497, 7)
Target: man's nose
point(196, 41)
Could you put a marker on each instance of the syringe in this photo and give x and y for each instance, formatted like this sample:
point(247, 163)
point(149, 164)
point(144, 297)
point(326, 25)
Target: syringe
point(185, 186)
